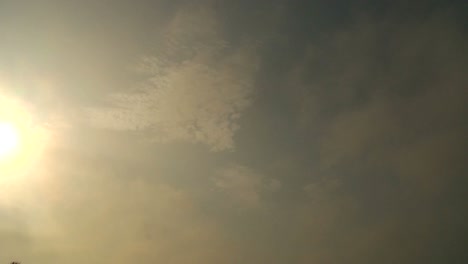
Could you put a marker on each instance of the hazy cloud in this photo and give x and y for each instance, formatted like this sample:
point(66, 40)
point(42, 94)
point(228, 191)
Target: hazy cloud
point(353, 152)
point(386, 101)
point(94, 213)
point(244, 186)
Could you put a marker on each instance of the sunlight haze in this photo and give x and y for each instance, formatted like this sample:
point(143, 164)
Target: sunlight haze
point(233, 132)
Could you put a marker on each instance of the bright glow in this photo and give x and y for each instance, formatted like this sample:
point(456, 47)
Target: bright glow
point(22, 144)
point(9, 139)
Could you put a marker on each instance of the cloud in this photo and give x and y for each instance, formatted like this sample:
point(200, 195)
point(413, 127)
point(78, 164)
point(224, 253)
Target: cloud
point(385, 99)
point(98, 213)
point(15, 239)
point(372, 101)
point(244, 186)
point(196, 87)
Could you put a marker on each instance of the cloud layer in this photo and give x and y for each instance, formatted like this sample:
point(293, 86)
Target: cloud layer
point(386, 100)
point(352, 146)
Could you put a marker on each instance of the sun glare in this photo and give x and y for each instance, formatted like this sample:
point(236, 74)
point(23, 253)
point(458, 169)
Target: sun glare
point(22, 142)
point(9, 139)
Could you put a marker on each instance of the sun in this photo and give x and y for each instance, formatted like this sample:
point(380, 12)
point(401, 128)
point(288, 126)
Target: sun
point(22, 141)
point(9, 139)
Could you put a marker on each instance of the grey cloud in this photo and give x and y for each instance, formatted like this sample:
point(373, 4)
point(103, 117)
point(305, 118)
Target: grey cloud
point(386, 100)
point(383, 107)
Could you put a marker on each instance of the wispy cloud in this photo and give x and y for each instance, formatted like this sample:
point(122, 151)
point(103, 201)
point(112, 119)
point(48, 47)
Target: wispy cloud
point(197, 86)
point(244, 186)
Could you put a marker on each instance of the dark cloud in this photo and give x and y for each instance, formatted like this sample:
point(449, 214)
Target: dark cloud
point(386, 97)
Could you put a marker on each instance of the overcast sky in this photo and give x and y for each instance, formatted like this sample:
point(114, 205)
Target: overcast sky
point(231, 131)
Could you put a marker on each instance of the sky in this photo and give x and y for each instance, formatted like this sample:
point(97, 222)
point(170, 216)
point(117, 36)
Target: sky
point(217, 131)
